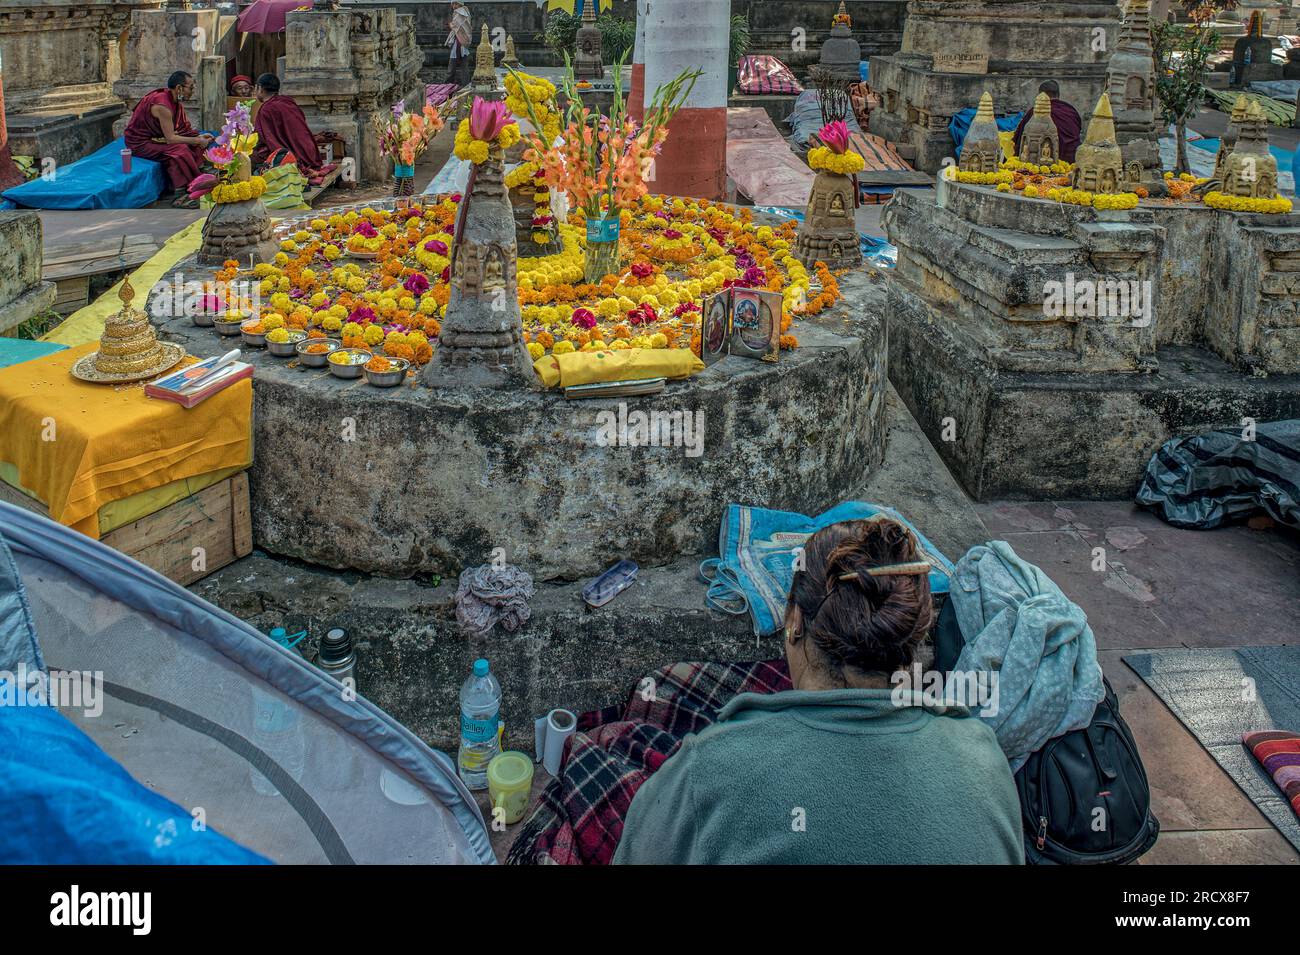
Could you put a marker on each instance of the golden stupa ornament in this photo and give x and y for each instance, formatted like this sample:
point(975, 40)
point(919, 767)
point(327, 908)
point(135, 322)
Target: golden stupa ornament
point(1098, 162)
point(129, 349)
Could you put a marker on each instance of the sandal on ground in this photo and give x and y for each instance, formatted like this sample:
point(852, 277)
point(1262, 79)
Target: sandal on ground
point(185, 202)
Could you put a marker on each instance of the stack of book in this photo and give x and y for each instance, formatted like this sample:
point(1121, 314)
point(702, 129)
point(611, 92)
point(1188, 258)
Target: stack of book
point(201, 380)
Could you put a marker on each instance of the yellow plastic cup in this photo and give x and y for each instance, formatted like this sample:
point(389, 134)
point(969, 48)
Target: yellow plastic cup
point(510, 780)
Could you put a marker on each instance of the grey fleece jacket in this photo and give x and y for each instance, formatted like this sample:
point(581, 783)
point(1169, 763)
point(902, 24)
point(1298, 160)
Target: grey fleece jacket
point(836, 776)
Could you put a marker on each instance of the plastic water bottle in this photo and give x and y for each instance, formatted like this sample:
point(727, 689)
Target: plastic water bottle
point(480, 719)
point(277, 728)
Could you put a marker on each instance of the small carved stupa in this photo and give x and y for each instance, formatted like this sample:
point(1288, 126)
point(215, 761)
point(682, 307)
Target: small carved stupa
point(129, 349)
point(588, 64)
point(1251, 170)
point(481, 343)
point(829, 232)
point(981, 151)
point(511, 58)
point(1099, 163)
point(485, 74)
point(841, 54)
point(1040, 142)
point(1230, 134)
point(1131, 83)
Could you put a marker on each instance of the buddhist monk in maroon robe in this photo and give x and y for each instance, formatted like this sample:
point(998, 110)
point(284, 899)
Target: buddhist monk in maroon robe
point(282, 130)
point(1066, 119)
point(160, 130)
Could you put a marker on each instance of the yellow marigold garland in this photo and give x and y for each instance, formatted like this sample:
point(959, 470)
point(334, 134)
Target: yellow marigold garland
point(845, 163)
point(476, 150)
point(239, 191)
point(1219, 200)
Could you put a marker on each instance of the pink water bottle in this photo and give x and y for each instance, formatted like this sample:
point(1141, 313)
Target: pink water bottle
point(126, 162)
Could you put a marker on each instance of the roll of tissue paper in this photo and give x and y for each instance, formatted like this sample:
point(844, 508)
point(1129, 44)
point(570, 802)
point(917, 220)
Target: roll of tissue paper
point(550, 733)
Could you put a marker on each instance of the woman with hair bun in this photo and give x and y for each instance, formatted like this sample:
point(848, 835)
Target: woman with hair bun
point(846, 767)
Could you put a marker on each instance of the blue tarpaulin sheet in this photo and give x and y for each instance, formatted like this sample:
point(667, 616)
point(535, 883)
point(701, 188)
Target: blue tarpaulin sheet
point(15, 351)
point(876, 250)
point(959, 125)
point(96, 182)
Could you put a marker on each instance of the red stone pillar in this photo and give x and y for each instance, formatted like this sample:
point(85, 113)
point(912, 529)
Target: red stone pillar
point(10, 175)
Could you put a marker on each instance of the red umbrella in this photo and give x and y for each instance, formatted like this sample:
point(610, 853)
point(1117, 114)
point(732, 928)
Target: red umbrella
point(267, 16)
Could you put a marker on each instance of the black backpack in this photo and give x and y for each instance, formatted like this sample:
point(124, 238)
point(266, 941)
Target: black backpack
point(1084, 796)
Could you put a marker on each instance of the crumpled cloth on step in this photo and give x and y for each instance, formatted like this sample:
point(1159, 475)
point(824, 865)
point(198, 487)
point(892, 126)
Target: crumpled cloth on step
point(488, 595)
point(1018, 624)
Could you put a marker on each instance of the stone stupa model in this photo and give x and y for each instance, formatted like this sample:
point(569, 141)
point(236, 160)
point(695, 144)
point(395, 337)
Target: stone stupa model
point(1230, 134)
point(1251, 169)
point(1040, 143)
point(1099, 163)
point(841, 54)
point(511, 59)
point(588, 65)
point(129, 349)
point(481, 344)
point(484, 79)
point(1131, 83)
point(982, 149)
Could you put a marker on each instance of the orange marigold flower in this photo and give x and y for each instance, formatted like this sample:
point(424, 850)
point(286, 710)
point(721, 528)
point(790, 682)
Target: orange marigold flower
point(788, 342)
point(423, 353)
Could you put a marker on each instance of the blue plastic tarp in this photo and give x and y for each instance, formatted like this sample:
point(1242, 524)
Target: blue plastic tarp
point(959, 126)
point(96, 182)
point(15, 351)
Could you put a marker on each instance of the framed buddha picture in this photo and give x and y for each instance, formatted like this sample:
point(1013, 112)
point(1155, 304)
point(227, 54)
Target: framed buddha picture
point(755, 324)
point(715, 326)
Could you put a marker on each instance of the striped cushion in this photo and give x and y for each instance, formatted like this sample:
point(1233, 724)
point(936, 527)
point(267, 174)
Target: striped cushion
point(765, 74)
point(1279, 753)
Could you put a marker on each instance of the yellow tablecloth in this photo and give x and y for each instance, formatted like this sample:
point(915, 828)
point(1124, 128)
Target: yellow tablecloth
point(629, 364)
point(80, 446)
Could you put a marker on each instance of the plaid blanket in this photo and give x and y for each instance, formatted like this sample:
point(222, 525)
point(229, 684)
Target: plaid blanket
point(758, 73)
point(579, 816)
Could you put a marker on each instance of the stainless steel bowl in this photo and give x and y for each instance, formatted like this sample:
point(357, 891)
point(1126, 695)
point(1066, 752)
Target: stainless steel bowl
point(391, 378)
point(229, 329)
point(290, 348)
point(251, 339)
point(319, 360)
point(203, 319)
point(354, 370)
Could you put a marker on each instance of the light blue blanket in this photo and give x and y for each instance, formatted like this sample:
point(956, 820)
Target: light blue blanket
point(1018, 624)
point(756, 566)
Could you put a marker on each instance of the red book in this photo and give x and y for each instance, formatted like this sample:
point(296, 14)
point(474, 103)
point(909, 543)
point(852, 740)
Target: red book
point(189, 397)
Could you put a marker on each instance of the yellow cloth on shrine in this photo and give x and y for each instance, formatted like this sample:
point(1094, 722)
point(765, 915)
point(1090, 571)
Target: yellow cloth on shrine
point(110, 442)
point(1007, 137)
point(630, 364)
point(87, 324)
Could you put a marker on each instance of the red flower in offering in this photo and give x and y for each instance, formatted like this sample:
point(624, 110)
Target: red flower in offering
point(436, 247)
point(643, 314)
point(672, 234)
point(364, 228)
point(684, 308)
point(446, 275)
point(416, 284)
point(584, 318)
point(641, 269)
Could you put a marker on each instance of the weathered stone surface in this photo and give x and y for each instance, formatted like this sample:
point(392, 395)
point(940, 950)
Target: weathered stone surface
point(1024, 401)
point(435, 479)
point(22, 292)
point(238, 231)
point(1026, 43)
point(346, 69)
point(412, 656)
point(159, 43)
point(61, 58)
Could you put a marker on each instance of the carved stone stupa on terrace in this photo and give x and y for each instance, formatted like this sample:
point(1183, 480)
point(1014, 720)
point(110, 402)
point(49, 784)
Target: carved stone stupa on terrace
point(841, 54)
point(982, 149)
point(481, 343)
point(1230, 134)
point(1040, 142)
point(1131, 83)
point(1251, 170)
point(484, 79)
point(1099, 163)
point(828, 232)
point(588, 64)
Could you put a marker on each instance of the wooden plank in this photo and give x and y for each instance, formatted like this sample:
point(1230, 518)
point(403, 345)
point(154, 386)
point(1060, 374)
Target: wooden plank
point(97, 258)
point(101, 248)
point(217, 519)
point(332, 177)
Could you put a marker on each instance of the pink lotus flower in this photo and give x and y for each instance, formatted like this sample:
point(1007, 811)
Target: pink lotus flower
point(220, 155)
point(583, 318)
point(416, 284)
point(202, 185)
point(436, 247)
point(835, 136)
point(487, 117)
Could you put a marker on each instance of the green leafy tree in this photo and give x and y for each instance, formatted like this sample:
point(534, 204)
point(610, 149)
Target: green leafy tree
point(1181, 52)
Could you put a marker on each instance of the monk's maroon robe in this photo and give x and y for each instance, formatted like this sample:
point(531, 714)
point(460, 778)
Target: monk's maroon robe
point(280, 125)
point(144, 137)
point(1069, 128)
